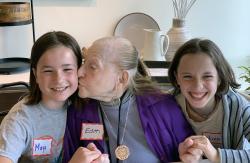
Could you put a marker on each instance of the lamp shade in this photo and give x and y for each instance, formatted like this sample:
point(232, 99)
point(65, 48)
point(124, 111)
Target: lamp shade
point(15, 13)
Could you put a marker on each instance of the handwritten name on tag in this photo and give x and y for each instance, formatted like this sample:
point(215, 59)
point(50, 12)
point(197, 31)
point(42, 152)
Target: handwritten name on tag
point(42, 147)
point(214, 138)
point(92, 131)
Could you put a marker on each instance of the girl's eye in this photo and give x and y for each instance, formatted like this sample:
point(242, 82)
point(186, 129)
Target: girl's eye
point(68, 69)
point(208, 77)
point(47, 71)
point(187, 77)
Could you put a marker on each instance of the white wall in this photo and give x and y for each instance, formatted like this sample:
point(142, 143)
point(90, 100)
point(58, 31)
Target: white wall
point(226, 22)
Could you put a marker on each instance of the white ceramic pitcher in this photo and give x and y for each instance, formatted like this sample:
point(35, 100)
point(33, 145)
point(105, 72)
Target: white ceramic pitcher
point(155, 45)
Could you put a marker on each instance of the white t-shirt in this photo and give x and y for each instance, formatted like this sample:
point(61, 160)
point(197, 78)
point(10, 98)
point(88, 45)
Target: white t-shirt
point(33, 133)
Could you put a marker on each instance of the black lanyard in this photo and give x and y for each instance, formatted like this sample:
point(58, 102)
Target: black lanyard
point(106, 137)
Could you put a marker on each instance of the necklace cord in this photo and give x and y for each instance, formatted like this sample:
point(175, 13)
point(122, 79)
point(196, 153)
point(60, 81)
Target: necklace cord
point(106, 138)
point(118, 142)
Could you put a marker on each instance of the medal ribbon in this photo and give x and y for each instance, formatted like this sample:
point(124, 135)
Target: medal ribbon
point(106, 138)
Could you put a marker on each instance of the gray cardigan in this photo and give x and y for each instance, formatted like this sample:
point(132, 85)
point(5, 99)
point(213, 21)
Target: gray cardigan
point(236, 128)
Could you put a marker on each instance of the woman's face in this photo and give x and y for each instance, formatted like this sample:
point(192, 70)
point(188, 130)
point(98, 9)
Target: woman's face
point(198, 79)
point(97, 78)
point(56, 75)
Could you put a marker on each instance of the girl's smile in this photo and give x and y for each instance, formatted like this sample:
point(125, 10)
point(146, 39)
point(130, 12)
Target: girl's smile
point(198, 79)
point(56, 75)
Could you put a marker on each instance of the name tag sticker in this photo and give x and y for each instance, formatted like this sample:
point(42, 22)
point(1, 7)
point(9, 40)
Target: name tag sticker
point(215, 138)
point(92, 131)
point(42, 147)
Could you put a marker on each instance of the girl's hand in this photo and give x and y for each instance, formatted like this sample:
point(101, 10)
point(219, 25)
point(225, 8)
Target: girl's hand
point(89, 155)
point(103, 158)
point(188, 153)
point(84, 155)
point(203, 143)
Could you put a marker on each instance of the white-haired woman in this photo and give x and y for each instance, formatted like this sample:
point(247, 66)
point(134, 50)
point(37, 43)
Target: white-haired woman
point(126, 116)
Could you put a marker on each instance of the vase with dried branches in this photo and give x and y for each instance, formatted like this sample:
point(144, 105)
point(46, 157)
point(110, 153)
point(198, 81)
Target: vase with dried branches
point(178, 33)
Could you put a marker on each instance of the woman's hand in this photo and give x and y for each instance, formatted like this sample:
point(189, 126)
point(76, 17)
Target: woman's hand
point(89, 155)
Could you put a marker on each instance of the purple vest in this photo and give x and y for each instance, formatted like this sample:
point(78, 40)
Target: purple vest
point(162, 120)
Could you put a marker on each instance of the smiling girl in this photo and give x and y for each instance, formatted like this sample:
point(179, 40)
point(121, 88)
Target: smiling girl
point(204, 86)
point(34, 128)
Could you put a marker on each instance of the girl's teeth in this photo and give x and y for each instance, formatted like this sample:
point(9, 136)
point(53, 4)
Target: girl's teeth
point(59, 89)
point(195, 95)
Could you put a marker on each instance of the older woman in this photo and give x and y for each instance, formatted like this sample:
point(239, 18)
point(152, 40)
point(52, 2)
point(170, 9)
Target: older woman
point(126, 116)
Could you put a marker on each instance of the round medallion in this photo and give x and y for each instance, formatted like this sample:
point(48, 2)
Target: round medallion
point(122, 152)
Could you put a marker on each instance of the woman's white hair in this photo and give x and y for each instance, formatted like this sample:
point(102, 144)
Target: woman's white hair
point(121, 52)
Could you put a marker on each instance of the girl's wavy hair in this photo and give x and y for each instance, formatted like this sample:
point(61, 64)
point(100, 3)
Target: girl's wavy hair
point(204, 47)
point(45, 42)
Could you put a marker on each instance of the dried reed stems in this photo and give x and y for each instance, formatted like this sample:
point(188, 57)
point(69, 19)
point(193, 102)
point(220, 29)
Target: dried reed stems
point(181, 7)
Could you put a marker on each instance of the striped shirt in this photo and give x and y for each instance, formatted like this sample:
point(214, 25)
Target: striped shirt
point(236, 128)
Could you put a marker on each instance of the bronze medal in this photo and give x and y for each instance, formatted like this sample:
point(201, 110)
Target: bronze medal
point(122, 152)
